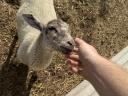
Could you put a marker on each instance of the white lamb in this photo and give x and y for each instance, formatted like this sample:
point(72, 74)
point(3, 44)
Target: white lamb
point(40, 33)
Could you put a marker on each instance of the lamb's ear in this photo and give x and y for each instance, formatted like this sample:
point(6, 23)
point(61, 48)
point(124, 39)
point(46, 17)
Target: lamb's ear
point(33, 22)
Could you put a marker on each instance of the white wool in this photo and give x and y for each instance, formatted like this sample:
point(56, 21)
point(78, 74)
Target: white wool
point(31, 51)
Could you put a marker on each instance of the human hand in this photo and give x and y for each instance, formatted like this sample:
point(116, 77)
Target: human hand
point(81, 58)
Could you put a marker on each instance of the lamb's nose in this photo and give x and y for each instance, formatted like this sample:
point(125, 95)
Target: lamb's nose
point(68, 47)
point(71, 43)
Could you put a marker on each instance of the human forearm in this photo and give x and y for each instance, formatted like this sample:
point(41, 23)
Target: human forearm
point(112, 76)
point(100, 86)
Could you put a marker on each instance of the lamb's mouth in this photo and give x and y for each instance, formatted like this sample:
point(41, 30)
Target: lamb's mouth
point(65, 50)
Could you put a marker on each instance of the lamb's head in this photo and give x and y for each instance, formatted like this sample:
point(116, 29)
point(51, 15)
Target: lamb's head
point(56, 33)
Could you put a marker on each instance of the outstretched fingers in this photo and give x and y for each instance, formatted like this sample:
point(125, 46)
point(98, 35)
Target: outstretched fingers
point(74, 66)
point(74, 69)
point(74, 57)
point(76, 50)
point(81, 42)
point(72, 62)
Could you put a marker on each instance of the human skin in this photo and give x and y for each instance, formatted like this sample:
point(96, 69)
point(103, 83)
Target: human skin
point(107, 78)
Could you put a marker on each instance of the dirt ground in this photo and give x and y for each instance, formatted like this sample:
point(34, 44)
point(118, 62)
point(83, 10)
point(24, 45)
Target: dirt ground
point(101, 23)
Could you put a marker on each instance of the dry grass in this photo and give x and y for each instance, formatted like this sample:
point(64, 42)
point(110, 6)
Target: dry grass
point(7, 28)
point(102, 23)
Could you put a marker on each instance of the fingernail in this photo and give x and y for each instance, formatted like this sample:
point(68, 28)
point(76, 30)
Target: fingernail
point(75, 69)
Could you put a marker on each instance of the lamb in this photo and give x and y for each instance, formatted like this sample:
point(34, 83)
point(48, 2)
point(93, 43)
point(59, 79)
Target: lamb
point(41, 33)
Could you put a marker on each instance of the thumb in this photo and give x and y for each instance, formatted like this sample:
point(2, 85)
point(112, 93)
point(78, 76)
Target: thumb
point(79, 41)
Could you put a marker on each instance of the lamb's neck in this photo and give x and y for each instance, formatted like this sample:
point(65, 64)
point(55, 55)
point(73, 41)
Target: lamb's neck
point(43, 45)
point(45, 53)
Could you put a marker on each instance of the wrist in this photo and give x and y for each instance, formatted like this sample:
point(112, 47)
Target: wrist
point(93, 63)
point(98, 64)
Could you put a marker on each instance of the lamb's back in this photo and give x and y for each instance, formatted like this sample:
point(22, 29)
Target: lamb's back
point(23, 28)
point(42, 10)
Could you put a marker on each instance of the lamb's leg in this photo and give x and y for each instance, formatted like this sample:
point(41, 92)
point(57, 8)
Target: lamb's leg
point(32, 77)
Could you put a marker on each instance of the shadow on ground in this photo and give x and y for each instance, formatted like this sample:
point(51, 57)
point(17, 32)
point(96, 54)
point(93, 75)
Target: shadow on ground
point(13, 77)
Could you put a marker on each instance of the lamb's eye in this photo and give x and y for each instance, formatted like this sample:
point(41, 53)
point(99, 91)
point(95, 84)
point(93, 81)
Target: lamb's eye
point(53, 29)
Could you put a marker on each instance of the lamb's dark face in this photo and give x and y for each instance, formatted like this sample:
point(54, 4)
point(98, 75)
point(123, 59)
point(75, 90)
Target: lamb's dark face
point(58, 36)
point(56, 33)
